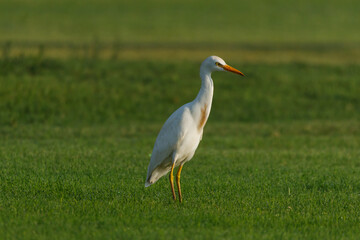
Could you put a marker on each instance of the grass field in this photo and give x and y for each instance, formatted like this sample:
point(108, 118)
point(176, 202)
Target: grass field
point(86, 86)
point(96, 91)
point(279, 159)
point(252, 180)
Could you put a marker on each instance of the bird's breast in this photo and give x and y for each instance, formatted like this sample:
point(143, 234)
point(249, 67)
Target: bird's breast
point(203, 117)
point(188, 146)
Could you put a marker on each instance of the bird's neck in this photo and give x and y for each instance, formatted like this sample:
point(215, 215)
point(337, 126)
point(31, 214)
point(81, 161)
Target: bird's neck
point(202, 104)
point(205, 94)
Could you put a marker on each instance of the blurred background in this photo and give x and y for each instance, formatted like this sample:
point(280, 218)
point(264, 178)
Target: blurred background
point(248, 31)
point(99, 61)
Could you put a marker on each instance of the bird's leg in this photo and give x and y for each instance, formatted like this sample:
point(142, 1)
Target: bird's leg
point(178, 181)
point(171, 177)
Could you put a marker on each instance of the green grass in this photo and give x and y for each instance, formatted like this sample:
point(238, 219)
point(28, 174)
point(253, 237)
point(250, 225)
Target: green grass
point(279, 181)
point(279, 158)
point(67, 92)
point(160, 21)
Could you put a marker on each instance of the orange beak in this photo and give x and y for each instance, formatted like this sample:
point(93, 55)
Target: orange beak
point(231, 69)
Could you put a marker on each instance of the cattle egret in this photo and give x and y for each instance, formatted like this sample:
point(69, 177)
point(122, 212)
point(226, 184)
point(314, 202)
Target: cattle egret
point(182, 132)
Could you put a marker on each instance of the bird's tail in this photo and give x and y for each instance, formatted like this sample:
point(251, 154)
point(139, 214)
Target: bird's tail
point(154, 176)
point(148, 181)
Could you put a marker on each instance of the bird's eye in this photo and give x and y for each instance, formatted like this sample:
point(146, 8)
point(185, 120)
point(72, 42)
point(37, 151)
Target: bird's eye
point(218, 64)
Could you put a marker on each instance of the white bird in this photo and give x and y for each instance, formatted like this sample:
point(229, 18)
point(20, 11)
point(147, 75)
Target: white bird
point(182, 132)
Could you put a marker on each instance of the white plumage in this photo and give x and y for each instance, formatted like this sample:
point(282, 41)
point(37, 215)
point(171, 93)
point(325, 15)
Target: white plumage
point(181, 134)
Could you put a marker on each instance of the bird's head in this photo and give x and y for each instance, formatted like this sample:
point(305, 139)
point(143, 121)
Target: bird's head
point(214, 63)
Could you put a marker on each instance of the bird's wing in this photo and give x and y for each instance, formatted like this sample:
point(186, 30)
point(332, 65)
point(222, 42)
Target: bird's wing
point(170, 136)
